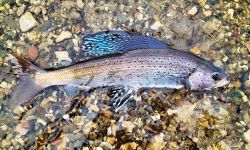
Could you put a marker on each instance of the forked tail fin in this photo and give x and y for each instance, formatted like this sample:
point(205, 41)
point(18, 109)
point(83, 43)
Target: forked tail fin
point(27, 87)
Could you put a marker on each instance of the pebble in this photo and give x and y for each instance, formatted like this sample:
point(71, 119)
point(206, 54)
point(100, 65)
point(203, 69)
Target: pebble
point(207, 13)
point(156, 25)
point(130, 146)
point(195, 50)
point(156, 142)
point(79, 120)
point(27, 22)
point(193, 11)
point(106, 145)
point(79, 4)
point(32, 53)
point(218, 63)
point(64, 35)
point(247, 44)
point(230, 12)
point(139, 16)
point(94, 108)
point(21, 130)
point(111, 140)
point(128, 125)
point(20, 10)
point(68, 4)
point(5, 143)
point(202, 2)
point(49, 41)
point(63, 56)
point(246, 136)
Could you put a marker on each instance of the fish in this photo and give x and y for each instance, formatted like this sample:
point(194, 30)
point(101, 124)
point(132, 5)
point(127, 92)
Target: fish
point(131, 70)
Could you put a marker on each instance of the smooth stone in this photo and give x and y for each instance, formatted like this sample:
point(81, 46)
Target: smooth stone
point(27, 22)
point(64, 35)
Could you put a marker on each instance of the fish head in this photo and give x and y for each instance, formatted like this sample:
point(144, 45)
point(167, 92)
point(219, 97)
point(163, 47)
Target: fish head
point(207, 76)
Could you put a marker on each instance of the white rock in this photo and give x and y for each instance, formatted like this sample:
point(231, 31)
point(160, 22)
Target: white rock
point(156, 25)
point(218, 63)
point(64, 35)
point(20, 10)
point(193, 11)
point(207, 13)
point(27, 22)
point(79, 120)
point(21, 130)
point(230, 12)
point(106, 145)
point(79, 4)
point(128, 125)
point(246, 136)
point(63, 56)
point(94, 108)
point(139, 16)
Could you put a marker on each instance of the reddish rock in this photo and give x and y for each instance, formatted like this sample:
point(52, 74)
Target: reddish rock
point(43, 64)
point(32, 53)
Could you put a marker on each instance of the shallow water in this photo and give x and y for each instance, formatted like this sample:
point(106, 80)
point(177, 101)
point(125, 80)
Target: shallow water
point(215, 30)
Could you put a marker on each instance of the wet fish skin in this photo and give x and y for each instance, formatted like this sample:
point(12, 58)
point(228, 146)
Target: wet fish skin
point(139, 68)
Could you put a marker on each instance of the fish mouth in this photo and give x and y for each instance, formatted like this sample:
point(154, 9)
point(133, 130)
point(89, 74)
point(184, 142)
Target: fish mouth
point(223, 82)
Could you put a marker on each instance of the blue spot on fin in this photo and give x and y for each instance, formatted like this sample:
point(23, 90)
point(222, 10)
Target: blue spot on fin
point(108, 42)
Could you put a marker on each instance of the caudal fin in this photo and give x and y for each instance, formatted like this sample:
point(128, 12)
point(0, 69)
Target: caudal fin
point(27, 87)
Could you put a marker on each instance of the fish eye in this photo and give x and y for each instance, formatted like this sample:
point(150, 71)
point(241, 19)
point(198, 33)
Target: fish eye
point(215, 76)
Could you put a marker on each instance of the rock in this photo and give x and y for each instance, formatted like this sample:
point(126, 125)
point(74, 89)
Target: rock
point(213, 2)
point(230, 12)
point(91, 4)
point(3, 53)
point(27, 22)
point(156, 143)
point(68, 4)
point(246, 136)
point(63, 56)
point(106, 146)
point(247, 44)
point(79, 120)
point(128, 125)
point(79, 4)
point(21, 130)
point(5, 143)
point(195, 50)
point(10, 21)
point(32, 53)
point(139, 16)
point(94, 108)
point(75, 15)
point(218, 63)
point(20, 10)
point(156, 25)
point(49, 41)
point(111, 140)
point(64, 35)
point(193, 11)
point(207, 13)
point(202, 3)
point(130, 146)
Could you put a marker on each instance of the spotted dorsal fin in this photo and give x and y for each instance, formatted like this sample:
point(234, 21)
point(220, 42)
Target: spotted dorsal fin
point(108, 42)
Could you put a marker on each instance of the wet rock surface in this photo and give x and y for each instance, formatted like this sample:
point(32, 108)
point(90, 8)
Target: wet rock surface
point(49, 33)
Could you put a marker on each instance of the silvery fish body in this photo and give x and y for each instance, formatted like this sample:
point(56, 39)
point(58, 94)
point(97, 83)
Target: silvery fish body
point(168, 68)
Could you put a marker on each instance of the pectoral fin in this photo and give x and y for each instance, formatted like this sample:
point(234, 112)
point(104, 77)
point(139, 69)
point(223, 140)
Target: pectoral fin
point(121, 97)
point(186, 83)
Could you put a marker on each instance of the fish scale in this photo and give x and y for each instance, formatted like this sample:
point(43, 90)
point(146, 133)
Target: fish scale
point(141, 66)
